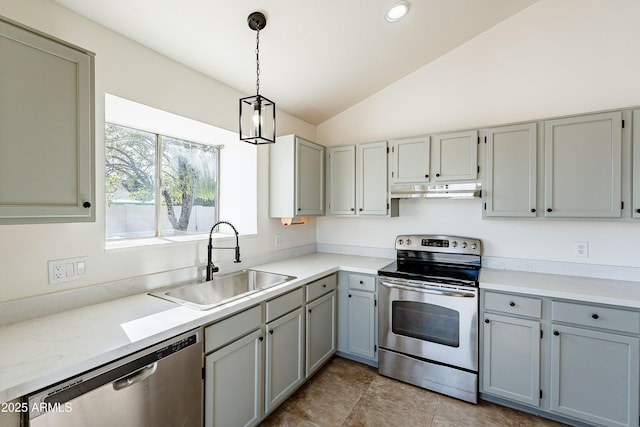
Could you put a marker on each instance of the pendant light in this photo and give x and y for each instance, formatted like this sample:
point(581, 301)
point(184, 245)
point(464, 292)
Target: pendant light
point(257, 113)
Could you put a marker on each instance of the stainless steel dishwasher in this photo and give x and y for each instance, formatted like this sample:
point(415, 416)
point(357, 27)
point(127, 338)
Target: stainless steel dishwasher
point(158, 386)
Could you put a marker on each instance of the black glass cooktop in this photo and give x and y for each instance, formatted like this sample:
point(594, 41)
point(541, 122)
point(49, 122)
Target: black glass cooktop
point(440, 273)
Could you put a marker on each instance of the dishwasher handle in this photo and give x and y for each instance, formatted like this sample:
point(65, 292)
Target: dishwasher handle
point(135, 377)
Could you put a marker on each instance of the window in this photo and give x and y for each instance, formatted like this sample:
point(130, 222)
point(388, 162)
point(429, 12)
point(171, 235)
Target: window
point(158, 185)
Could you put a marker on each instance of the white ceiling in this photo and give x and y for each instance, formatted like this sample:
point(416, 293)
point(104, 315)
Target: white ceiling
point(317, 57)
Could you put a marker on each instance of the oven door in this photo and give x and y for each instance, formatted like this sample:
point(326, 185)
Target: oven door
point(435, 322)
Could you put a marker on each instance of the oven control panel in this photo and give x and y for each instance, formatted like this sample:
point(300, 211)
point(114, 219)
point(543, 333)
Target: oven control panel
point(433, 243)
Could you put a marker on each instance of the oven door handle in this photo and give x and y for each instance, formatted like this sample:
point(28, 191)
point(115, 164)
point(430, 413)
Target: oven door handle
point(426, 289)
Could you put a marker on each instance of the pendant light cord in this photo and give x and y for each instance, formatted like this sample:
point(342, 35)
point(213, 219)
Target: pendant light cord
point(258, 62)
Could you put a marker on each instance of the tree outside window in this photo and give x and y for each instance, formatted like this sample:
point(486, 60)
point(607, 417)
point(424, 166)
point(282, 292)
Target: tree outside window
point(158, 185)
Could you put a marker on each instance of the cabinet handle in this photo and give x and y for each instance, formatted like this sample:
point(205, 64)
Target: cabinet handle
point(271, 332)
point(361, 282)
point(486, 320)
point(353, 209)
point(299, 209)
point(261, 338)
point(532, 210)
point(556, 333)
point(595, 316)
point(86, 205)
point(426, 176)
point(638, 210)
point(349, 295)
point(437, 174)
point(512, 304)
point(324, 285)
point(309, 310)
point(549, 210)
point(360, 209)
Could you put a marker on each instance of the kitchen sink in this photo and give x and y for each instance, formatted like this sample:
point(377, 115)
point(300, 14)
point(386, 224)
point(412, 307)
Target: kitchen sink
point(221, 289)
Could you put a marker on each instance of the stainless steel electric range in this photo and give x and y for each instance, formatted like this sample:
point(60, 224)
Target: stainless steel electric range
point(428, 319)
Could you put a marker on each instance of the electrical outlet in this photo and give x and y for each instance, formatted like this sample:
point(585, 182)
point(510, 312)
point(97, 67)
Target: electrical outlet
point(277, 241)
point(67, 270)
point(581, 249)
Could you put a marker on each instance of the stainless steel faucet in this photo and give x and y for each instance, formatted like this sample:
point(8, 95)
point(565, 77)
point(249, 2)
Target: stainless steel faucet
point(210, 267)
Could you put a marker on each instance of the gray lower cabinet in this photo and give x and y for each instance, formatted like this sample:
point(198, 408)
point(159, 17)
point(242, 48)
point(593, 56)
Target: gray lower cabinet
point(511, 363)
point(233, 370)
point(233, 387)
point(594, 372)
point(585, 368)
point(284, 358)
point(511, 347)
point(321, 337)
point(358, 317)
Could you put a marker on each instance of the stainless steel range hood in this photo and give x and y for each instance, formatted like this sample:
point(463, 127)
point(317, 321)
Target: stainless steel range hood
point(467, 190)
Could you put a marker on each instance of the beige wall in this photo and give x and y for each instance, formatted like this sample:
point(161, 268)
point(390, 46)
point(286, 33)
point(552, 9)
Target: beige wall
point(128, 70)
point(557, 57)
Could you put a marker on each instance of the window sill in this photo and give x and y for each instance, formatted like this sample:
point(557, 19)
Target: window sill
point(157, 241)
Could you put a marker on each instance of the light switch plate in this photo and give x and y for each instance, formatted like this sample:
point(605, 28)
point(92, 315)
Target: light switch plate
point(67, 270)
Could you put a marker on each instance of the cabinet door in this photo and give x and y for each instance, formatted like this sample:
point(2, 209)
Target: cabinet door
point(362, 324)
point(284, 358)
point(455, 156)
point(583, 158)
point(309, 178)
point(636, 164)
point(46, 130)
point(510, 184)
point(511, 358)
point(594, 376)
point(233, 384)
point(371, 179)
point(410, 160)
point(321, 331)
point(342, 180)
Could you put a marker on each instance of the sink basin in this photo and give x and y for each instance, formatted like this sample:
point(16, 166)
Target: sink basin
point(221, 289)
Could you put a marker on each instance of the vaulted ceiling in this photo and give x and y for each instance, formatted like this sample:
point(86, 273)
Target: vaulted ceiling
point(317, 57)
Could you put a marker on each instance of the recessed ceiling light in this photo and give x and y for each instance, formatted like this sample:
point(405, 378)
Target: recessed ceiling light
point(397, 11)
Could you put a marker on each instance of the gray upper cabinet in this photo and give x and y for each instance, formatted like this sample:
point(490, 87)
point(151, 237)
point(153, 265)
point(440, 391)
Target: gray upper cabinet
point(342, 180)
point(455, 156)
point(511, 173)
point(583, 174)
point(636, 164)
point(296, 178)
point(357, 180)
point(371, 179)
point(410, 160)
point(46, 129)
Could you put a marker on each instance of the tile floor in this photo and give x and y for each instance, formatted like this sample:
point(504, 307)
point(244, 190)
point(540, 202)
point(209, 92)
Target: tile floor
point(346, 393)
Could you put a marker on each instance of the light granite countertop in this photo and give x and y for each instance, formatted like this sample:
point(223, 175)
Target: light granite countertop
point(602, 291)
point(42, 351)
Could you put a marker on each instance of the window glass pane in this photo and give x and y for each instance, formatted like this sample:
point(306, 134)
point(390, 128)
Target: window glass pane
point(130, 170)
point(189, 187)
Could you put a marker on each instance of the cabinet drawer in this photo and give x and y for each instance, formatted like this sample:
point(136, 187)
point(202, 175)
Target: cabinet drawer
point(231, 328)
point(513, 304)
point(362, 282)
point(321, 287)
point(283, 304)
point(596, 317)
